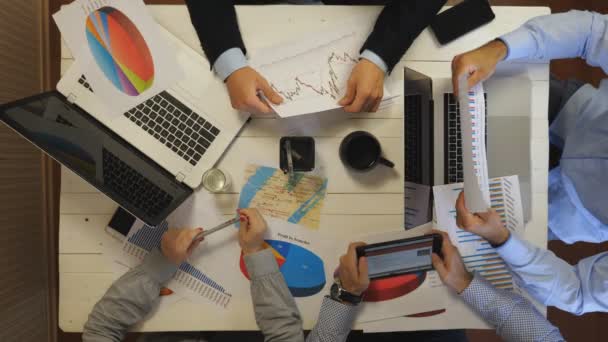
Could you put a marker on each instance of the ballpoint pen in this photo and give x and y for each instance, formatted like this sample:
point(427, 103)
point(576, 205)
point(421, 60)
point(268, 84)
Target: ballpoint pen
point(228, 223)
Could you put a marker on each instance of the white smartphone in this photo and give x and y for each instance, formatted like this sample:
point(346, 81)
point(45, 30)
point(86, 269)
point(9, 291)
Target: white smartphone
point(120, 224)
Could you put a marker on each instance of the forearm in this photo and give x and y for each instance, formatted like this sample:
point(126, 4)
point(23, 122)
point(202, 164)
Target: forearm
point(334, 323)
point(217, 27)
point(514, 317)
point(128, 300)
point(275, 309)
point(563, 35)
point(549, 279)
point(398, 25)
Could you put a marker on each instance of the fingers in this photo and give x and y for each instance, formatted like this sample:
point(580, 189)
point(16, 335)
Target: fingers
point(349, 97)
point(361, 98)
point(378, 102)
point(439, 266)
point(269, 92)
point(446, 244)
point(458, 69)
point(255, 105)
point(461, 211)
point(474, 78)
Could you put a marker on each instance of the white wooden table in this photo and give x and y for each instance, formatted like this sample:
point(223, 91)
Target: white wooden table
point(372, 203)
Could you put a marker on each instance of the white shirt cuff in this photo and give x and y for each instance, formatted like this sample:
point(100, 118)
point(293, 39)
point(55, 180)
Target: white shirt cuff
point(374, 58)
point(228, 62)
point(516, 251)
point(520, 43)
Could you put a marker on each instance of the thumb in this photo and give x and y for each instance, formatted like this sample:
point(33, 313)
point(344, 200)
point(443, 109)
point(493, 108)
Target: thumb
point(475, 78)
point(269, 92)
point(439, 266)
point(363, 268)
point(191, 234)
point(349, 97)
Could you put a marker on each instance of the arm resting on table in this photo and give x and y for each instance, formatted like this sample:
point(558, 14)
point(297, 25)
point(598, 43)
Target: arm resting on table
point(552, 281)
point(275, 309)
point(513, 316)
point(334, 323)
point(128, 300)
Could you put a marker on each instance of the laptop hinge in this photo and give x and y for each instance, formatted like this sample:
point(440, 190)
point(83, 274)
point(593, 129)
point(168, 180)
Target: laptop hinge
point(71, 98)
point(180, 177)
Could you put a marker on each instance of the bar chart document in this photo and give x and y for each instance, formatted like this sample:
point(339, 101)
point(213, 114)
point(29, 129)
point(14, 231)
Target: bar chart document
point(477, 253)
point(475, 164)
point(311, 73)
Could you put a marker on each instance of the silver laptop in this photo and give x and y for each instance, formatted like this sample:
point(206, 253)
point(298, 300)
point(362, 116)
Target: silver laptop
point(433, 150)
point(149, 159)
point(182, 129)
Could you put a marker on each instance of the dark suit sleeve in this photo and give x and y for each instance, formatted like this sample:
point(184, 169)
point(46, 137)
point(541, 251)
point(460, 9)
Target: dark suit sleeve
point(398, 25)
point(216, 25)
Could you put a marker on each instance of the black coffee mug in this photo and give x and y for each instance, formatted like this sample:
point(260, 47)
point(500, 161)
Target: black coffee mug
point(361, 151)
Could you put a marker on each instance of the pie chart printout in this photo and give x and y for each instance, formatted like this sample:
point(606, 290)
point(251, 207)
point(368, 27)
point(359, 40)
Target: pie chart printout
point(120, 50)
point(303, 270)
point(393, 287)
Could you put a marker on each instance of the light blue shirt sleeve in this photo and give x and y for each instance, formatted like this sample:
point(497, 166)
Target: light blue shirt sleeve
point(552, 281)
point(228, 62)
point(374, 58)
point(563, 35)
point(513, 316)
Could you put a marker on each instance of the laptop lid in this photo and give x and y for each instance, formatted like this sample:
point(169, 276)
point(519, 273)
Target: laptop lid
point(81, 143)
point(419, 148)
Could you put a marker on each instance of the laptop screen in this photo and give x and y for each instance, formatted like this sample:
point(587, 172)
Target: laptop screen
point(91, 150)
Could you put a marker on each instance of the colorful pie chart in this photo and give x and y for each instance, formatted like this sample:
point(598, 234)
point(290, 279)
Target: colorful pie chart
point(393, 287)
point(120, 50)
point(303, 270)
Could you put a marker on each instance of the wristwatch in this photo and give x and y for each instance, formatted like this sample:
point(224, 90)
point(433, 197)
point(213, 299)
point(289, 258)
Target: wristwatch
point(339, 294)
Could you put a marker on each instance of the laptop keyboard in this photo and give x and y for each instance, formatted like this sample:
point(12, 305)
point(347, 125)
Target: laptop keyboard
point(413, 167)
point(172, 123)
point(133, 187)
point(453, 141)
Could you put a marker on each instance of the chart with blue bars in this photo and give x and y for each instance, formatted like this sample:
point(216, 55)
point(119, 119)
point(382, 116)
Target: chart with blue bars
point(477, 253)
point(188, 277)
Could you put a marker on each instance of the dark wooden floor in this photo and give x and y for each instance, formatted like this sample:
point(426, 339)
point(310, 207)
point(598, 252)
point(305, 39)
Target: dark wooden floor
point(587, 328)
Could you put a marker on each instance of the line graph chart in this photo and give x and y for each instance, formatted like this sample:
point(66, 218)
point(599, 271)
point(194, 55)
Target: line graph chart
point(311, 73)
point(330, 86)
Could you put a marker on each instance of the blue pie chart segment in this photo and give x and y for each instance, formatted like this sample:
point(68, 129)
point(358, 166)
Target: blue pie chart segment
point(303, 270)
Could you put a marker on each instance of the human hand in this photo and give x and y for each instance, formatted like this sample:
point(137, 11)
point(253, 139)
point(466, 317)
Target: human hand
point(451, 268)
point(251, 233)
point(352, 272)
point(243, 87)
point(364, 89)
point(177, 245)
point(488, 225)
point(478, 64)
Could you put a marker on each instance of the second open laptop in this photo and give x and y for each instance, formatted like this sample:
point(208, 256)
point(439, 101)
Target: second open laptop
point(433, 148)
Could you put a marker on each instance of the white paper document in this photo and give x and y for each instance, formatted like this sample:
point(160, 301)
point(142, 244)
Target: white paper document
point(476, 252)
point(473, 130)
point(311, 73)
point(120, 46)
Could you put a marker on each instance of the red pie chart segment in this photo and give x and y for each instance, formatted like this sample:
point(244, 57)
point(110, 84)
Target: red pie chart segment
point(390, 288)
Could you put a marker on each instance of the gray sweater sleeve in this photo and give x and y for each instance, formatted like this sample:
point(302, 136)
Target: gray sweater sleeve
point(128, 300)
point(275, 309)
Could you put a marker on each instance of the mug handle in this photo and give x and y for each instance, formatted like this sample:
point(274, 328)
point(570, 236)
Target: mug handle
point(386, 162)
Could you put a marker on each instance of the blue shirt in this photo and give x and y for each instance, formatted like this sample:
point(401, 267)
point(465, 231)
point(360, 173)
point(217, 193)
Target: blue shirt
point(233, 59)
point(578, 188)
point(578, 200)
point(552, 281)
